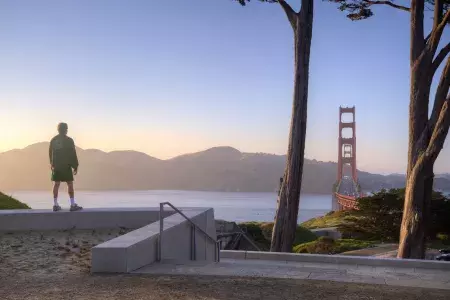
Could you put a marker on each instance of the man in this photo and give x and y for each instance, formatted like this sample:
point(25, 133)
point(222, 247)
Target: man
point(63, 159)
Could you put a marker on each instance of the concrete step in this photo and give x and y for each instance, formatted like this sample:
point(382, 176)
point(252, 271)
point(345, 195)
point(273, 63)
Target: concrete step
point(315, 271)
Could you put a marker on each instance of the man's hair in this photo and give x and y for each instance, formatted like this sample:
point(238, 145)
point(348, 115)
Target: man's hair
point(62, 128)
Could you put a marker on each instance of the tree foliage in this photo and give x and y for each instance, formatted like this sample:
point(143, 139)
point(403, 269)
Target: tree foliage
point(363, 9)
point(379, 217)
point(244, 2)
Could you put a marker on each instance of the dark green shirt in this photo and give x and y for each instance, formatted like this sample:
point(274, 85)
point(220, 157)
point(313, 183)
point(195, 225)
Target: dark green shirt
point(62, 153)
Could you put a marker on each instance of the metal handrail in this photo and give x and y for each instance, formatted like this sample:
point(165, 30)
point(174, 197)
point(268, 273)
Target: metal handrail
point(249, 240)
point(241, 233)
point(194, 226)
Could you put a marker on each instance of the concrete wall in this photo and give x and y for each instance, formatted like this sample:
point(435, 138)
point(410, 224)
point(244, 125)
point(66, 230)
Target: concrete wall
point(95, 218)
point(139, 247)
point(338, 259)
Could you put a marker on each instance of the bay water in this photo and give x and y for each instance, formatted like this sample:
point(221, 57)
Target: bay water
point(239, 207)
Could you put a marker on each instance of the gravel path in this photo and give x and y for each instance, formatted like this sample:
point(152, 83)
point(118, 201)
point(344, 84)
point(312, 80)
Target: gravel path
point(55, 265)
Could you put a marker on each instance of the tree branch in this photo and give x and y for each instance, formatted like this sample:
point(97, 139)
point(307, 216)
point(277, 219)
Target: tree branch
point(389, 3)
point(440, 132)
point(436, 141)
point(440, 58)
point(438, 11)
point(436, 33)
point(417, 35)
point(441, 94)
point(290, 13)
point(445, 19)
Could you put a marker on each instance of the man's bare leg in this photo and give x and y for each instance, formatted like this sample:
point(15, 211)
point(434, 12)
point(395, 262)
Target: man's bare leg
point(71, 191)
point(73, 205)
point(56, 206)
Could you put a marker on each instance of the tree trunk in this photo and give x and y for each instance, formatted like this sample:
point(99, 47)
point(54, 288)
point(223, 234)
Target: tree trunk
point(416, 213)
point(426, 136)
point(285, 224)
point(418, 191)
point(419, 175)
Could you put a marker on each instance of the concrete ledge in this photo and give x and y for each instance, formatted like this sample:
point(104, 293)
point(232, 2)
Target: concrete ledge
point(359, 261)
point(233, 254)
point(138, 248)
point(92, 218)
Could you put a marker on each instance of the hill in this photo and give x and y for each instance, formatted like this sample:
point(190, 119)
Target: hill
point(215, 169)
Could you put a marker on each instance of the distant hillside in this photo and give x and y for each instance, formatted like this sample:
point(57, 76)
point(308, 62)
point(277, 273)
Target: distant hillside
point(215, 169)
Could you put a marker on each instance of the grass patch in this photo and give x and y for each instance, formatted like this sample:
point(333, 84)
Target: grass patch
point(8, 202)
point(261, 233)
point(331, 219)
point(327, 245)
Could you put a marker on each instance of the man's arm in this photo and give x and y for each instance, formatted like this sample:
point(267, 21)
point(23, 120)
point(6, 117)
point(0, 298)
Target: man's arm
point(74, 157)
point(50, 153)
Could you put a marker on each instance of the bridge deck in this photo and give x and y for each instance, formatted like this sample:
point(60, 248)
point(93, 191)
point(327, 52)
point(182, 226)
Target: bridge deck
point(347, 193)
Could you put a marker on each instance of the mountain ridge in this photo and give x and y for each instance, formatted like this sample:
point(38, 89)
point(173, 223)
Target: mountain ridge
point(223, 168)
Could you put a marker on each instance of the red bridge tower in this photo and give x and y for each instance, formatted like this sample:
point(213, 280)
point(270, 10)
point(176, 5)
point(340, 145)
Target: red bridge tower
point(347, 145)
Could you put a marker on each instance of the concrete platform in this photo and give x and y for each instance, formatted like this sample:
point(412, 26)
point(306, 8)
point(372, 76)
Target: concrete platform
point(135, 249)
point(427, 278)
point(92, 218)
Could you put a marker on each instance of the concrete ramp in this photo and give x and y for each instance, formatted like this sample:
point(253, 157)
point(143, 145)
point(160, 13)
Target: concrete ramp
point(140, 247)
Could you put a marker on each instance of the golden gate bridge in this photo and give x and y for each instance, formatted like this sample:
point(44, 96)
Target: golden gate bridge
point(346, 190)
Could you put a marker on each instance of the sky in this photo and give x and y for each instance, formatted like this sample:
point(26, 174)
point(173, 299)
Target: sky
point(179, 76)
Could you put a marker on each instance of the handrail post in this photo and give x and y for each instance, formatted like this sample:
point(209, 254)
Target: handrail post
point(194, 228)
point(192, 242)
point(219, 247)
point(161, 228)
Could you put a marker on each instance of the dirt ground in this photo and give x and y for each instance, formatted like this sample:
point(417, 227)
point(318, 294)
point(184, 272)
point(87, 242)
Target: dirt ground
point(55, 265)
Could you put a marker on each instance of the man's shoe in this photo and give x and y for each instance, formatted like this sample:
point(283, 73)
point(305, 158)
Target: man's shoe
point(56, 208)
point(75, 207)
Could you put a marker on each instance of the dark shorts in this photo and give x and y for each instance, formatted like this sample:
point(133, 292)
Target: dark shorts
point(62, 175)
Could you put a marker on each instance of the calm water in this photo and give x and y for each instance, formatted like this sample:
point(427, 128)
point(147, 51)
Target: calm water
point(227, 206)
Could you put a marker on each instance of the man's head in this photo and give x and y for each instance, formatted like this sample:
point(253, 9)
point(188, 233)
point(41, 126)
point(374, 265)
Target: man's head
point(62, 128)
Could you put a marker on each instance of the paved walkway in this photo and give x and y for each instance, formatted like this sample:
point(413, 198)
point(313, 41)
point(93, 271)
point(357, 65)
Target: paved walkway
point(317, 271)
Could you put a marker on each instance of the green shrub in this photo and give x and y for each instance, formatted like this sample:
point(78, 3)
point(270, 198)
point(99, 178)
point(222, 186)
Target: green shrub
point(444, 238)
point(380, 215)
point(323, 245)
point(331, 219)
point(345, 245)
point(327, 245)
point(255, 231)
point(261, 233)
point(8, 202)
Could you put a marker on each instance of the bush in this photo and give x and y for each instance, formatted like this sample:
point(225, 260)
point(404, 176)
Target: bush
point(379, 217)
point(444, 238)
point(323, 245)
point(255, 231)
point(327, 245)
point(331, 219)
point(8, 202)
point(261, 233)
